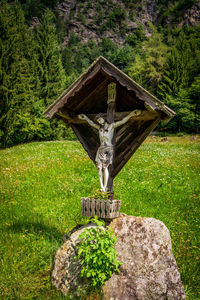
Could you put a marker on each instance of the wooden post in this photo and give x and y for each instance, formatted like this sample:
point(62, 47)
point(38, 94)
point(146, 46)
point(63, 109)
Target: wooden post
point(111, 118)
point(110, 181)
point(111, 102)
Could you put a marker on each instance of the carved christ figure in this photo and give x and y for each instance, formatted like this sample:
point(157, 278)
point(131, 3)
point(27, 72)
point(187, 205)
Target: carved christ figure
point(104, 155)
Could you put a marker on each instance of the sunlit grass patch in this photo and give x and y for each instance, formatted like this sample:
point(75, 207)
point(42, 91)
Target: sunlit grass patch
point(40, 189)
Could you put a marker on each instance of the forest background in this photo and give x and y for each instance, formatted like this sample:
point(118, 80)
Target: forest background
point(46, 45)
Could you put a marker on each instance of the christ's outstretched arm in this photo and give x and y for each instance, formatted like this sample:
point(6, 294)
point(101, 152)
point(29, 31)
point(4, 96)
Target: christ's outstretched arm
point(135, 113)
point(90, 122)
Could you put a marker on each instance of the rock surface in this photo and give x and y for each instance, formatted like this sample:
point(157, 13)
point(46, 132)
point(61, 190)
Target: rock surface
point(149, 270)
point(91, 19)
point(66, 273)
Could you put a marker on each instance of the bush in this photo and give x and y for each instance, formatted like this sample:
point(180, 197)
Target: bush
point(97, 253)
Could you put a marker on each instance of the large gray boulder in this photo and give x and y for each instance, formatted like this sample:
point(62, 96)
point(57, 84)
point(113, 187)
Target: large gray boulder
point(149, 270)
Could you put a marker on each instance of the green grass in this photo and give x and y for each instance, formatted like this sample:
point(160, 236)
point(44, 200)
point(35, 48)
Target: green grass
point(40, 189)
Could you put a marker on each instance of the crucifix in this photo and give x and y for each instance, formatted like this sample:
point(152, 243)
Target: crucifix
point(106, 131)
point(111, 115)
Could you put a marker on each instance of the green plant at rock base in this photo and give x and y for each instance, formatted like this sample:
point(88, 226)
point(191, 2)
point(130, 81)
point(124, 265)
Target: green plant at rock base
point(97, 253)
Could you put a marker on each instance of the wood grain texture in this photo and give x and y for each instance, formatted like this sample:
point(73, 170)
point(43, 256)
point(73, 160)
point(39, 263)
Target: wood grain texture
point(122, 159)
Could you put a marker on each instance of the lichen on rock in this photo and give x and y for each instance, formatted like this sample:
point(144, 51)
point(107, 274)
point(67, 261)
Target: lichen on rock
point(149, 270)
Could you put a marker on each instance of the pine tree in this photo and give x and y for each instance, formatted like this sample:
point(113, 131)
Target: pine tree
point(179, 88)
point(16, 79)
point(194, 93)
point(147, 68)
point(173, 75)
point(50, 75)
point(50, 70)
point(182, 66)
point(189, 52)
point(184, 119)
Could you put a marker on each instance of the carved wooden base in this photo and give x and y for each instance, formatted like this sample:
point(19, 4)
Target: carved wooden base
point(106, 209)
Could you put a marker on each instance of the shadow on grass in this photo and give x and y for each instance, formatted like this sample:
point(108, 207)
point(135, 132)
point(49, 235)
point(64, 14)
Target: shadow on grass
point(49, 232)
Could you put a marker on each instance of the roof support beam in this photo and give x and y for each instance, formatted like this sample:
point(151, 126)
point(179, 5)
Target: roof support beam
point(145, 115)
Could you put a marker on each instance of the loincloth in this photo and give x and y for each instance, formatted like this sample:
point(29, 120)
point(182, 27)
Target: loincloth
point(104, 156)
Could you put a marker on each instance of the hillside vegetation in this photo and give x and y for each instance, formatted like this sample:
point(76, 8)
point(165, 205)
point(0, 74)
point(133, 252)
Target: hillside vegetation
point(41, 185)
point(45, 45)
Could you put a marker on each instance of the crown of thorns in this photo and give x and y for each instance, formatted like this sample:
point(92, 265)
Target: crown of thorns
point(100, 115)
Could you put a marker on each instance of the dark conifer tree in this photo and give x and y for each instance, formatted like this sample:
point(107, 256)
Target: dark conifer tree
point(173, 75)
point(182, 66)
point(51, 72)
point(179, 88)
point(16, 79)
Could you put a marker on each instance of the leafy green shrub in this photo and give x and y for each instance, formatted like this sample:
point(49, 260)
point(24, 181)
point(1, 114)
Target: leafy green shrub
point(97, 253)
point(132, 39)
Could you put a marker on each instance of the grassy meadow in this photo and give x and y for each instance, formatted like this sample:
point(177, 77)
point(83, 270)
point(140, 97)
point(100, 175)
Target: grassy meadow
point(41, 185)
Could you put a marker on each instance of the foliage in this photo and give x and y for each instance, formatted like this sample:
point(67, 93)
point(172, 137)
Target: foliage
point(173, 75)
point(36, 8)
point(116, 15)
point(31, 78)
point(50, 70)
point(170, 71)
point(136, 38)
point(188, 47)
point(99, 194)
point(179, 81)
point(186, 105)
point(50, 74)
point(173, 8)
point(16, 78)
point(185, 112)
point(194, 94)
point(97, 253)
point(78, 56)
point(147, 68)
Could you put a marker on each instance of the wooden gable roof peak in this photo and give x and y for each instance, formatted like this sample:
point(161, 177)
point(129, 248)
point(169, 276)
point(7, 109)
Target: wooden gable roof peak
point(102, 66)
